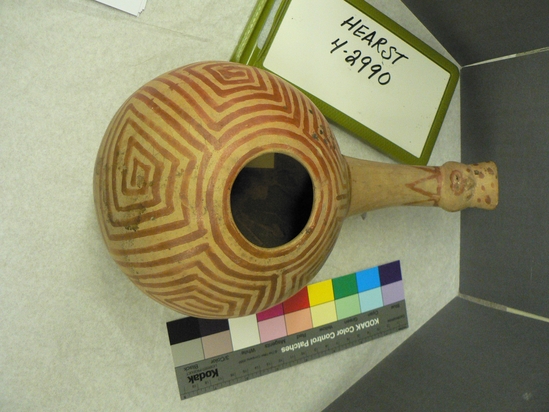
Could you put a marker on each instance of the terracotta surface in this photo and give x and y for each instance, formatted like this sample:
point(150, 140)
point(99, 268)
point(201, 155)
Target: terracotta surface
point(167, 165)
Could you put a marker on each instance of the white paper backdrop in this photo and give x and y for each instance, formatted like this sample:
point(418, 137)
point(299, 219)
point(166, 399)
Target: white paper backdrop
point(75, 334)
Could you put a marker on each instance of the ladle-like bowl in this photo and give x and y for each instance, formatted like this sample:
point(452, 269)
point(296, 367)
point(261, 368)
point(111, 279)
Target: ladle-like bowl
point(169, 162)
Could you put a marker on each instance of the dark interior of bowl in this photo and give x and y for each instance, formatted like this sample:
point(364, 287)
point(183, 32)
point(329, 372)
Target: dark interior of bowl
point(271, 200)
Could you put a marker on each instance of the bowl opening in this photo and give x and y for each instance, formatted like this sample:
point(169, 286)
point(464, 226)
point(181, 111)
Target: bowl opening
point(272, 199)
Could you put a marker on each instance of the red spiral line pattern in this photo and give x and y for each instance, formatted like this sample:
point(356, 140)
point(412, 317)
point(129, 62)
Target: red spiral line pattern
point(163, 178)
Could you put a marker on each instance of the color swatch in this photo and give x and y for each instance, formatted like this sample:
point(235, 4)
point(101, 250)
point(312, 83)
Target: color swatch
point(322, 303)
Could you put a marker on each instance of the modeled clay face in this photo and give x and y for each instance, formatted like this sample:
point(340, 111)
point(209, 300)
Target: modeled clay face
point(476, 183)
point(459, 183)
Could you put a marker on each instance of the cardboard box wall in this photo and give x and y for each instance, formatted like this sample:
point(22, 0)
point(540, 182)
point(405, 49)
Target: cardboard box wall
point(488, 349)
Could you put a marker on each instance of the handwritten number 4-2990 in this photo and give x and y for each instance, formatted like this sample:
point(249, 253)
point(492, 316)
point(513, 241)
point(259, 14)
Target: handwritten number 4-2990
point(355, 56)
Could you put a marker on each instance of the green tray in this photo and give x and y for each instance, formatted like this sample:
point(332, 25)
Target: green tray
point(364, 71)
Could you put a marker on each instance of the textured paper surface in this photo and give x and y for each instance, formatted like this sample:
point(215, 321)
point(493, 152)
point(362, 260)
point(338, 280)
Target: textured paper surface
point(75, 333)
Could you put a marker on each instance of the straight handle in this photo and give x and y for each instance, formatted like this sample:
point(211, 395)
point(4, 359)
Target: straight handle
point(452, 186)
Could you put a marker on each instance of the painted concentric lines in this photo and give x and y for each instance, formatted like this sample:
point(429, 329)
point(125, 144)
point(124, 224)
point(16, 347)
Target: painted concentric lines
point(163, 178)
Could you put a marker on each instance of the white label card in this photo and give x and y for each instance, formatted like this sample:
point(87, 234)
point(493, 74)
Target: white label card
point(345, 58)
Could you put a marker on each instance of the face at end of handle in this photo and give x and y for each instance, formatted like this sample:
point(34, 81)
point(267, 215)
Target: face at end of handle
point(466, 186)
